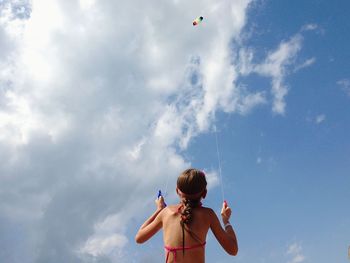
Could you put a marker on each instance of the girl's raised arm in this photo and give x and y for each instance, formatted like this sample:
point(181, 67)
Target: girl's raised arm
point(226, 237)
point(152, 225)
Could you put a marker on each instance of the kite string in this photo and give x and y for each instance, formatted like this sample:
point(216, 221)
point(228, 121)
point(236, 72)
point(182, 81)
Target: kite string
point(219, 163)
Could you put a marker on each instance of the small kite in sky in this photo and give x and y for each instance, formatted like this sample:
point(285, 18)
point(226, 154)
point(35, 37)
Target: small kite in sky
point(197, 20)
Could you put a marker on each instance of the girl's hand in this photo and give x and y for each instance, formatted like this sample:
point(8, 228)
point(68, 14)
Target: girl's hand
point(225, 212)
point(160, 203)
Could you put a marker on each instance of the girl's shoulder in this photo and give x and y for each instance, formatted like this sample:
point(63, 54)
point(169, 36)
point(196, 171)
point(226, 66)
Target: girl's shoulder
point(171, 209)
point(207, 209)
point(208, 212)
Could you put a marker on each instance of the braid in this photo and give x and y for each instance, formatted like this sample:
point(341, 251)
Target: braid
point(186, 214)
point(187, 217)
point(192, 184)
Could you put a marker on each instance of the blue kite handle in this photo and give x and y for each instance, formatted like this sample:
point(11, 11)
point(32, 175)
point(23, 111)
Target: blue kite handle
point(160, 194)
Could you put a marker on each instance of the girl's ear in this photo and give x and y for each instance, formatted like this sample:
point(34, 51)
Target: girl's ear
point(204, 194)
point(177, 191)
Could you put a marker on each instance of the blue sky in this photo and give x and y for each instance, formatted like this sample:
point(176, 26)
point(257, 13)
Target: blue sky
point(104, 102)
point(289, 175)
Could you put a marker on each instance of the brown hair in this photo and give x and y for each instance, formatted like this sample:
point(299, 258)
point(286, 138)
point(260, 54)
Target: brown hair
point(192, 183)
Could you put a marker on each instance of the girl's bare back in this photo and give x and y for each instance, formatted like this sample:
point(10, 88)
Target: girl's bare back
point(195, 234)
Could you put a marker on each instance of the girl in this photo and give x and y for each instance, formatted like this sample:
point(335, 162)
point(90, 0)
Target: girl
point(185, 225)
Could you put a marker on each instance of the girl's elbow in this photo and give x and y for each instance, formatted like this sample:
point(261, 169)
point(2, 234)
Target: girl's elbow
point(233, 251)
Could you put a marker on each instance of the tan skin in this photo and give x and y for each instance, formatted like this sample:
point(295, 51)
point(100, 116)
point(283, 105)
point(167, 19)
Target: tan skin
point(203, 219)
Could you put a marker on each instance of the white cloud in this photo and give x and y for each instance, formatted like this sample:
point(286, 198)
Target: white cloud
point(250, 102)
point(295, 251)
point(97, 246)
point(87, 4)
point(106, 239)
point(212, 179)
point(345, 85)
point(305, 64)
point(96, 99)
point(13, 15)
point(320, 118)
point(309, 27)
point(275, 66)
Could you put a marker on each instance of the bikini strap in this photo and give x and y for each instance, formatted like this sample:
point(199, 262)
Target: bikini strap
point(173, 250)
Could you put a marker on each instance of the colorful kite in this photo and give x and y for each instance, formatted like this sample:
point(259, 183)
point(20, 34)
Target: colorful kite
point(197, 20)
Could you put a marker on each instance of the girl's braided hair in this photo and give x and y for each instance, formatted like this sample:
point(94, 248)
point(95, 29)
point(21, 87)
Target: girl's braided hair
point(192, 183)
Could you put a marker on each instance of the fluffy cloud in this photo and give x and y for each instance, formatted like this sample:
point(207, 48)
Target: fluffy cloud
point(275, 66)
point(295, 251)
point(96, 99)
